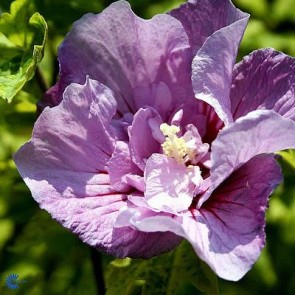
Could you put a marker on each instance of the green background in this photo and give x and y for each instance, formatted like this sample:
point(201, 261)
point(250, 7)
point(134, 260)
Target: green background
point(52, 260)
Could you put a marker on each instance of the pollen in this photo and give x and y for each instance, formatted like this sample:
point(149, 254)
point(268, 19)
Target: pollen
point(174, 146)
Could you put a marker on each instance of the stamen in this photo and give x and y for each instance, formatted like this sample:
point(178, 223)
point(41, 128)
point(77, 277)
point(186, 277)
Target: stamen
point(174, 146)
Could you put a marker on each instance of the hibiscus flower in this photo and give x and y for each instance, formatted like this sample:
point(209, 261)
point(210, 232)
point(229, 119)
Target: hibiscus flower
point(153, 135)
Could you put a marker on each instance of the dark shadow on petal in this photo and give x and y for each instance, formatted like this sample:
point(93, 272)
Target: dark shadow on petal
point(235, 213)
point(132, 243)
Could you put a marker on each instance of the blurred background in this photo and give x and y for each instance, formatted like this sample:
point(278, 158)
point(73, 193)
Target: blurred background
point(53, 261)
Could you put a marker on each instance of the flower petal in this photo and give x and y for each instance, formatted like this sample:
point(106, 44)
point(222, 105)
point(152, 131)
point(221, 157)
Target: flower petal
point(124, 52)
point(228, 231)
point(77, 129)
point(213, 65)
point(256, 133)
point(136, 244)
point(145, 242)
point(202, 18)
point(120, 165)
point(141, 139)
point(65, 167)
point(64, 158)
point(169, 185)
point(201, 115)
point(264, 80)
point(150, 221)
point(157, 96)
point(232, 228)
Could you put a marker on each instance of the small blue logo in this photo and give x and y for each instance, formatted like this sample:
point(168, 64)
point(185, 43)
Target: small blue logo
point(11, 281)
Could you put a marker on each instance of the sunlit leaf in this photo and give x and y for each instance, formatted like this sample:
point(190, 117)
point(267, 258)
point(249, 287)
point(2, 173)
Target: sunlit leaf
point(22, 40)
point(289, 157)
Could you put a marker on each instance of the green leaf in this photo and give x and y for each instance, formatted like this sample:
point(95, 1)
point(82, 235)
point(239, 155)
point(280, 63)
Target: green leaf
point(289, 157)
point(22, 39)
point(178, 272)
point(188, 268)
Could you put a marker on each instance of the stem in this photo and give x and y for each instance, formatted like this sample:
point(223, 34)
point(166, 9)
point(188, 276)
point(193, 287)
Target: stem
point(40, 80)
point(98, 271)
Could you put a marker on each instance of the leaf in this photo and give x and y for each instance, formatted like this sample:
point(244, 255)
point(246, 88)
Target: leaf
point(289, 157)
point(178, 272)
point(22, 40)
point(139, 277)
point(188, 268)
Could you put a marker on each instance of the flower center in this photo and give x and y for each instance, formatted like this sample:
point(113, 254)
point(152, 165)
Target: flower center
point(174, 146)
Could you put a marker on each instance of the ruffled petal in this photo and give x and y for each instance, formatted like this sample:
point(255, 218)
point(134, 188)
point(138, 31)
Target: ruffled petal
point(120, 166)
point(202, 18)
point(169, 186)
point(124, 52)
point(228, 231)
point(213, 65)
point(149, 221)
point(65, 166)
point(77, 129)
point(201, 115)
point(137, 244)
point(256, 133)
point(157, 96)
point(264, 80)
point(148, 234)
point(142, 142)
point(232, 225)
point(65, 161)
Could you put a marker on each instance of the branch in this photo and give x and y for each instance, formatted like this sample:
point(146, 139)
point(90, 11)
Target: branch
point(98, 271)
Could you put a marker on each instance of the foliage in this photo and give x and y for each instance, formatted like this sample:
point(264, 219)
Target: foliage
point(172, 273)
point(22, 41)
point(52, 260)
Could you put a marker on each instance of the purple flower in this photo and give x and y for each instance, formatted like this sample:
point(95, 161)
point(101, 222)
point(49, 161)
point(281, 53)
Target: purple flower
point(154, 135)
